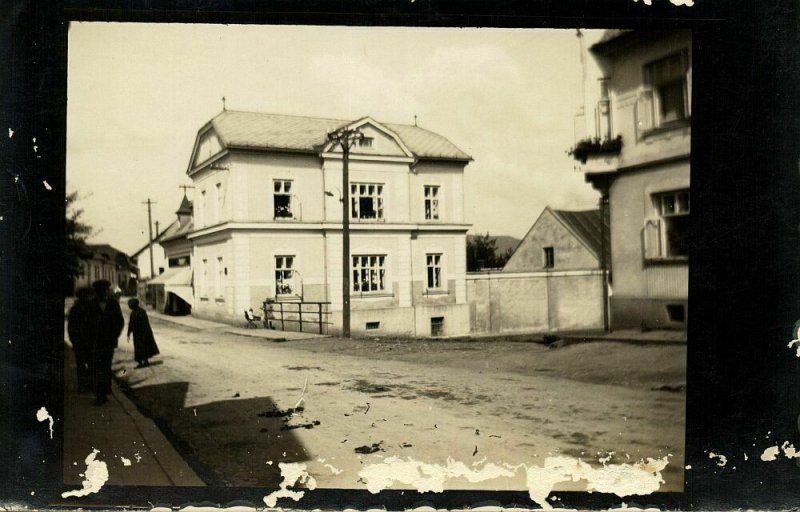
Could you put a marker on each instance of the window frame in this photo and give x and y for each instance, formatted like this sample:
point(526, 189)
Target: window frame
point(434, 261)
point(649, 104)
point(357, 268)
point(280, 277)
point(378, 205)
point(661, 223)
point(283, 192)
point(435, 198)
point(548, 257)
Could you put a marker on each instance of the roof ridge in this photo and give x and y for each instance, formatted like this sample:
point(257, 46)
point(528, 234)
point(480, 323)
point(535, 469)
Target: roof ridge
point(316, 118)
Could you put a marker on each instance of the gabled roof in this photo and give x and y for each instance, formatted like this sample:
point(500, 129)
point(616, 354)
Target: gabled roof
point(159, 236)
point(586, 225)
point(109, 253)
point(253, 130)
point(178, 232)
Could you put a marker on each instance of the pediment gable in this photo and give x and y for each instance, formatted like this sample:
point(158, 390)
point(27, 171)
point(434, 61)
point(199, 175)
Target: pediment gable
point(206, 146)
point(378, 141)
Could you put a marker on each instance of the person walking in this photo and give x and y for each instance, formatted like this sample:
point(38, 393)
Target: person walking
point(80, 337)
point(144, 343)
point(106, 324)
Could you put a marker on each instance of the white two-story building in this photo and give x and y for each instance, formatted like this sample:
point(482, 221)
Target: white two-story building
point(636, 153)
point(268, 222)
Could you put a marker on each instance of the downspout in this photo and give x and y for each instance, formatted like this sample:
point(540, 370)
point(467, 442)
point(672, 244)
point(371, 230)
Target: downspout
point(604, 264)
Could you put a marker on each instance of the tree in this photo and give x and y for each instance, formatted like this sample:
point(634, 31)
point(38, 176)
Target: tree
point(482, 253)
point(75, 248)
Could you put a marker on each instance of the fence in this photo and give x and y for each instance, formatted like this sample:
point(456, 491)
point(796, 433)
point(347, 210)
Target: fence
point(505, 302)
point(296, 314)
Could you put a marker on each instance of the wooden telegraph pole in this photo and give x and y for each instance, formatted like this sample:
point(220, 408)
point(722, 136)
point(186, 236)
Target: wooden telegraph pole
point(149, 203)
point(345, 138)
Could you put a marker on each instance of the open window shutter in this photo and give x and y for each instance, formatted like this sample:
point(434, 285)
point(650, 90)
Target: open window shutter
point(652, 238)
point(644, 112)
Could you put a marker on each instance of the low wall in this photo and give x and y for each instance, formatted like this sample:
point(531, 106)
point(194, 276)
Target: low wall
point(508, 302)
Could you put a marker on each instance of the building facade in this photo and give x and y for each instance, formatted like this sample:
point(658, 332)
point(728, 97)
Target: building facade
point(637, 155)
point(268, 222)
point(104, 262)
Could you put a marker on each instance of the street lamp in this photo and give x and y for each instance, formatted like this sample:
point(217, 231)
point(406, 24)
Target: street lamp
point(345, 138)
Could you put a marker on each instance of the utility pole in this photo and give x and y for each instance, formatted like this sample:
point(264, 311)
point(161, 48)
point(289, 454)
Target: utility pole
point(345, 138)
point(150, 231)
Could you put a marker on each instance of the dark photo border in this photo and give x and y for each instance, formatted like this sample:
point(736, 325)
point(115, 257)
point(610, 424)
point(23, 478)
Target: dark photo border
point(743, 392)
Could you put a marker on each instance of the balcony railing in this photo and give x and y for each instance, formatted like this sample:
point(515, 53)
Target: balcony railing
point(592, 147)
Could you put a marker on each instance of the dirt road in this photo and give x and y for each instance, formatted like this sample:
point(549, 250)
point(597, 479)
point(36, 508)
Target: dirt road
point(224, 400)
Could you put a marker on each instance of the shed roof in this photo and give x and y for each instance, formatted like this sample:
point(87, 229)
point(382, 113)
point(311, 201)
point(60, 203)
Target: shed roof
point(586, 225)
point(254, 130)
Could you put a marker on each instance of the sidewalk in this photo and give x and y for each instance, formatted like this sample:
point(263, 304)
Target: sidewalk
point(133, 448)
point(656, 337)
point(259, 332)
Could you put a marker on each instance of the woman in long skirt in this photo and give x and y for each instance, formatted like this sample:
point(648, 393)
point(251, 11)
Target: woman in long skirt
point(144, 343)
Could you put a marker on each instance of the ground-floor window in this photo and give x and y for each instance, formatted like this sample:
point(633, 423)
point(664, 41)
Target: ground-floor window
point(369, 273)
point(284, 275)
point(434, 267)
point(667, 235)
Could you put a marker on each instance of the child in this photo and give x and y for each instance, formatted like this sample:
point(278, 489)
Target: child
point(144, 344)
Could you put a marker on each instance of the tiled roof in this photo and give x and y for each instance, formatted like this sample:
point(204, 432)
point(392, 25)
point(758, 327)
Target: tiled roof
point(586, 225)
point(295, 133)
point(178, 232)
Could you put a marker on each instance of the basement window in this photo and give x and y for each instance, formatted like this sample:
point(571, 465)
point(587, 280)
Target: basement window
point(373, 326)
point(437, 326)
point(676, 313)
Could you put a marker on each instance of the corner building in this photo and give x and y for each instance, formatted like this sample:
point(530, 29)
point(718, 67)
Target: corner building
point(268, 223)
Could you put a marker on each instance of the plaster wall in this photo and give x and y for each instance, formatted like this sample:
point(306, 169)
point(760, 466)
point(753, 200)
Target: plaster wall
point(569, 252)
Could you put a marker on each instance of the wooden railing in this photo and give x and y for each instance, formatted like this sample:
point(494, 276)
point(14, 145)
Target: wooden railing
point(277, 315)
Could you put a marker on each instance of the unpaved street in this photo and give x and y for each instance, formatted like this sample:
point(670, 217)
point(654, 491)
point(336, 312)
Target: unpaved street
point(222, 399)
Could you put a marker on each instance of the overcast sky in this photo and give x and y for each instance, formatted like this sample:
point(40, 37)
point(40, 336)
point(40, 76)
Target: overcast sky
point(138, 93)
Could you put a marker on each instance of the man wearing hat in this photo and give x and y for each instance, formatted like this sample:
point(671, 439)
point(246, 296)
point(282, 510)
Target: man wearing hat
point(106, 324)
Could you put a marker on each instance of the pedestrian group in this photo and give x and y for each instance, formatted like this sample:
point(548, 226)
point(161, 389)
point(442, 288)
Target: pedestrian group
point(94, 325)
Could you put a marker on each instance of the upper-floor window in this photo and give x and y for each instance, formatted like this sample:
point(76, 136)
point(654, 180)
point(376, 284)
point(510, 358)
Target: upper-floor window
point(284, 275)
point(369, 273)
point(431, 202)
point(366, 142)
point(549, 257)
point(366, 201)
point(667, 234)
point(282, 199)
point(666, 98)
point(433, 264)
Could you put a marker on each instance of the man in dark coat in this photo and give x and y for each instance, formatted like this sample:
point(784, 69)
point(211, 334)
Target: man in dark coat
point(80, 337)
point(144, 343)
point(106, 323)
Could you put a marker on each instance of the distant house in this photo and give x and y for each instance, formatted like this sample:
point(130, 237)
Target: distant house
point(561, 240)
point(268, 223)
point(142, 256)
point(637, 155)
point(171, 291)
point(105, 262)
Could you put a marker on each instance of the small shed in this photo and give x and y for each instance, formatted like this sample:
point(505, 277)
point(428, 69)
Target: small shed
point(562, 240)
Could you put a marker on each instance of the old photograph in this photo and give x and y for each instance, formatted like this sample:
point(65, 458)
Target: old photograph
point(369, 258)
